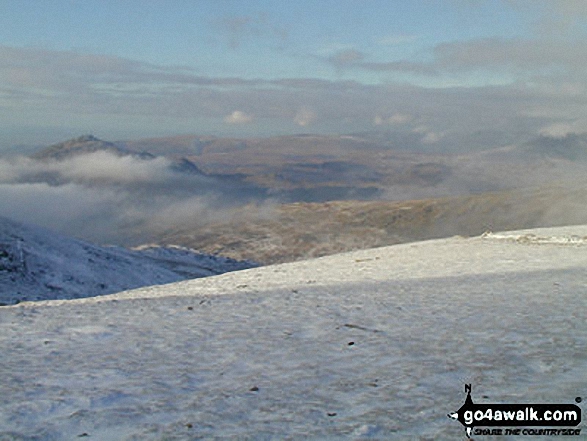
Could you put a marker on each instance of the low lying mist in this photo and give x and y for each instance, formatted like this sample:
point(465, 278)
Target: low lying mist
point(117, 199)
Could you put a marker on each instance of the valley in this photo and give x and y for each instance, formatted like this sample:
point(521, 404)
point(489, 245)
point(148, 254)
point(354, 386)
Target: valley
point(281, 199)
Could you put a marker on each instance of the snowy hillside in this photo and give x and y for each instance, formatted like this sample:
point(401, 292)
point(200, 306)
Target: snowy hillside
point(374, 344)
point(37, 264)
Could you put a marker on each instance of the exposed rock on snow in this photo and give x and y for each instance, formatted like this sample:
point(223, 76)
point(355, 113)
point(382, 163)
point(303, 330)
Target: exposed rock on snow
point(373, 344)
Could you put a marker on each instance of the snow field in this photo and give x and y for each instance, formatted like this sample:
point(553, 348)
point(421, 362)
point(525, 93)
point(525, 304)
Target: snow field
point(266, 353)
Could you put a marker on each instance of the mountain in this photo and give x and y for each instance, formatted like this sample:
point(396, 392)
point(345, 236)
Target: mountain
point(37, 264)
point(84, 145)
point(319, 168)
point(88, 144)
point(369, 345)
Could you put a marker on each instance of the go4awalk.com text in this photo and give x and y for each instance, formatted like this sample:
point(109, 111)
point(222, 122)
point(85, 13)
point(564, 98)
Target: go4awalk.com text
point(518, 419)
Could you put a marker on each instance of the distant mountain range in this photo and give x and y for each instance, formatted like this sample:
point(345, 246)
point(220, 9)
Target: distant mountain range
point(293, 197)
point(317, 168)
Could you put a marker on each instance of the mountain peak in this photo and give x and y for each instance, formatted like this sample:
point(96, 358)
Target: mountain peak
point(83, 145)
point(86, 138)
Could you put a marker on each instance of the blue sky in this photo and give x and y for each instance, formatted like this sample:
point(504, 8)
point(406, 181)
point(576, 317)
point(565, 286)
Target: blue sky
point(444, 70)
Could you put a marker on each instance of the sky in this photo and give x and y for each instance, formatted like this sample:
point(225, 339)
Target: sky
point(450, 71)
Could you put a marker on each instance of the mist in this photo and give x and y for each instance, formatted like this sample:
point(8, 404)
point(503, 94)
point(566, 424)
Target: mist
point(115, 199)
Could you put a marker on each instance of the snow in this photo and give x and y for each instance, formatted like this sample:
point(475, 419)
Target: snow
point(266, 353)
point(37, 264)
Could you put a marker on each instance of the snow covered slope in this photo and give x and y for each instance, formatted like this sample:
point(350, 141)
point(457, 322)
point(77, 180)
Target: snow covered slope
point(37, 264)
point(374, 344)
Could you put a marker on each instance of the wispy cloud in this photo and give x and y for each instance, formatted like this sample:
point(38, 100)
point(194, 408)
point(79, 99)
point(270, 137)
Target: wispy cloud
point(545, 85)
point(521, 56)
point(524, 55)
point(354, 59)
point(39, 69)
point(238, 117)
point(402, 66)
point(395, 119)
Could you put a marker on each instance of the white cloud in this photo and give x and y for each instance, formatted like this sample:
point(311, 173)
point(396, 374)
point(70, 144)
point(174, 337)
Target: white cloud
point(304, 117)
point(557, 130)
point(431, 138)
point(104, 166)
point(71, 207)
point(238, 117)
point(96, 167)
point(399, 118)
point(428, 136)
point(102, 196)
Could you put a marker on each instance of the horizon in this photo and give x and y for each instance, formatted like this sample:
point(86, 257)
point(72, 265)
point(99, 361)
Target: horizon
point(445, 73)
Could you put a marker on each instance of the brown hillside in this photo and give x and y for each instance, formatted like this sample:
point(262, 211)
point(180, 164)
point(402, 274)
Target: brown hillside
point(303, 230)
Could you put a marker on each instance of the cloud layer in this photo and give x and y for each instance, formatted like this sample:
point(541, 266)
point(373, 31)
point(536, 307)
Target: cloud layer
point(109, 198)
point(550, 89)
point(528, 82)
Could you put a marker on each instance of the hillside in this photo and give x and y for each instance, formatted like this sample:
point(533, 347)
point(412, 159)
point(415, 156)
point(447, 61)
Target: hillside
point(38, 264)
point(374, 344)
point(297, 231)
